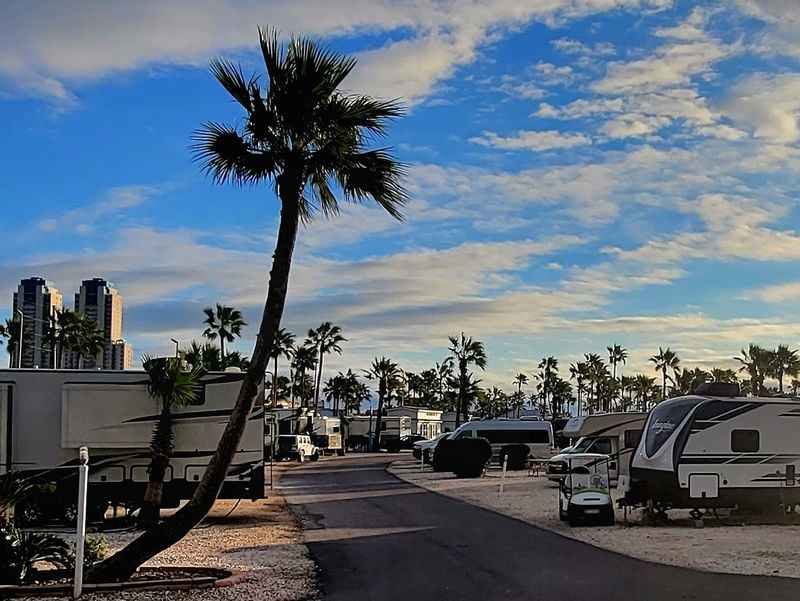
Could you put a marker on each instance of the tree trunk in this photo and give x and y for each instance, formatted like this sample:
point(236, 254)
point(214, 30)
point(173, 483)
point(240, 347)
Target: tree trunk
point(161, 453)
point(275, 383)
point(124, 563)
point(376, 439)
point(222, 350)
point(317, 383)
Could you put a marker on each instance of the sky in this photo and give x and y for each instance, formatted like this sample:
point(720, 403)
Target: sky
point(581, 173)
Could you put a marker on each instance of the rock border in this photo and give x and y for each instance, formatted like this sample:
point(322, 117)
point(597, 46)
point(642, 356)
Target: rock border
point(216, 578)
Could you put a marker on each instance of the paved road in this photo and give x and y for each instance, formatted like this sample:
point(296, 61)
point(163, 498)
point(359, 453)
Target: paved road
point(378, 538)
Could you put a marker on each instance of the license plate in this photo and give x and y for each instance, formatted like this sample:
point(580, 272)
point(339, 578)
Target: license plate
point(592, 511)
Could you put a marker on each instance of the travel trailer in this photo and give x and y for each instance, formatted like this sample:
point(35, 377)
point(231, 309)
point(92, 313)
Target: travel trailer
point(47, 415)
point(612, 434)
point(714, 448)
point(535, 433)
point(394, 430)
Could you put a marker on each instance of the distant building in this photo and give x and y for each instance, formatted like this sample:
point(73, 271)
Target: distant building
point(424, 421)
point(38, 301)
point(98, 300)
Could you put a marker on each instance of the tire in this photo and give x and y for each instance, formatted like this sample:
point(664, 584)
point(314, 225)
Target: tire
point(340, 452)
point(30, 512)
point(69, 514)
point(562, 515)
point(315, 456)
point(609, 517)
point(301, 456)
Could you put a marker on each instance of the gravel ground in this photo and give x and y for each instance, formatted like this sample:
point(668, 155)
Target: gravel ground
point(261, 538)
point(766, 550)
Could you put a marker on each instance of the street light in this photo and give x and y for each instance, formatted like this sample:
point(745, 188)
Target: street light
point(19, 341)
point(177, 347)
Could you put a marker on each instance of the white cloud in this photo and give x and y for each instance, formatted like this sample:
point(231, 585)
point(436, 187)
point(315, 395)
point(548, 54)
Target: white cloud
point(531, 140)
point(576, 47)
point(779, 293)
point(114, 202)
point(768, 105)
point(628, 126)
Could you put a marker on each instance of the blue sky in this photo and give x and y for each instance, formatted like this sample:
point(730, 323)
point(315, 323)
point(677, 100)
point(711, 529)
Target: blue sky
point(582, 173)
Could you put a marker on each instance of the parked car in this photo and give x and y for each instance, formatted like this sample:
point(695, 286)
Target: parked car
point(423, 449)
point(296, 446)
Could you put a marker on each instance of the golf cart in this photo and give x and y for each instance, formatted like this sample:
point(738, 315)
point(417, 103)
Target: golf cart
point(584, 495)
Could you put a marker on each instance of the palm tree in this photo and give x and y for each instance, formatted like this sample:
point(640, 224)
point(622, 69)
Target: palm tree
point(65, 334)
point(548, 367)
point(756, 362)
point(326, 339)
point(465, 351)
point(784, 362)
point(206, 356)
point(301, 134)
point(644, 385)
point(723, 375)
point(173, 386)
point(282, 346)
point(616, 354)
point(664, 360)
point(223, 322)
point(304, 360)
point(443, 373)
point(596, 372)
point(388, 374)
point(10, 331)
point(519, 381)
point(89, 339)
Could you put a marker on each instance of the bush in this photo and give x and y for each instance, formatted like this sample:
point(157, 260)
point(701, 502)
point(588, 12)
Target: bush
point(465, 457)
point(517, 456)
point(470, 457)
point(20, 551)
point(95, 549)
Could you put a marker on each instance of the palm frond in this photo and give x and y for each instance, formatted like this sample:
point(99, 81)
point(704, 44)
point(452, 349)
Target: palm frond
point(225, 156)
point(232, 79)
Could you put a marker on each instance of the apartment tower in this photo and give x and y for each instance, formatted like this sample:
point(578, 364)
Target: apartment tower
point(98, 300)
point(38, 301)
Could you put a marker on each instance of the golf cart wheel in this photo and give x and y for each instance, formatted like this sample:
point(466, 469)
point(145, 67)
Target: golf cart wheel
point(29, 512)
point(562, 515)
point(301, 457)
point(315, 456)
point(609, 517)
point(69, 514)
point(573, 517)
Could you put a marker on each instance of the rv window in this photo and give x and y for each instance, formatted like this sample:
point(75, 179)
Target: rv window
point(745, 441)
point(632, 438)
point(664, 420)
point(515, 436)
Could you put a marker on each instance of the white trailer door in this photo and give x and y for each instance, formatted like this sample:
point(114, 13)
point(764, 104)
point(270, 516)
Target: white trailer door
point(6, 395)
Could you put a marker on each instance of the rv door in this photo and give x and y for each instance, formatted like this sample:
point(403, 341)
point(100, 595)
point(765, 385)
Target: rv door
point(6, 399)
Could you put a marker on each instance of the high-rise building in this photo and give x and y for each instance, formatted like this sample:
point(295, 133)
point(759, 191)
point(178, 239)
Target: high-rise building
point(38, 301)
point(98, 300)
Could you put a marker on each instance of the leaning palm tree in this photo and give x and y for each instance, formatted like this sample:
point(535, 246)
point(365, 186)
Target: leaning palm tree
point(282, 346)
point(666, 359)
point(308, 139)
point(388, 375)
point(223, 322)
point(326, 339)
point(172, 386)
point(465, 352)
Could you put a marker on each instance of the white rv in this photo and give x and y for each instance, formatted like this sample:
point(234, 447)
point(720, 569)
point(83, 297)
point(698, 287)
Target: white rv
point(535, 433)
point(47, 415)
point(612, 434)
point(394, 430)
point(709, 450)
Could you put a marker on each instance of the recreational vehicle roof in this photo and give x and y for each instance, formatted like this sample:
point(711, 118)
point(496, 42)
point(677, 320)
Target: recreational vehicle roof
point(597, 424)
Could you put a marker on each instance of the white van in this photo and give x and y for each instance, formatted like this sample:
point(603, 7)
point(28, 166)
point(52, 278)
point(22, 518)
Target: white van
point(536, 434)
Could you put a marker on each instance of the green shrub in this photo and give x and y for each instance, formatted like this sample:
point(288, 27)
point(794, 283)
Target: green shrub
point(21, 551)
point(95, 549)
point(443, 455)
point(470, 456)
point(517, 456)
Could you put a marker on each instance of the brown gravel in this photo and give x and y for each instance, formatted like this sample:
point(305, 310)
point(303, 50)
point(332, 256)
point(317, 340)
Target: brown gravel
point(262, 539)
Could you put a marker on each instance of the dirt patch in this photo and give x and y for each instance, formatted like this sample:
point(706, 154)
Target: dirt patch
point(740, 549)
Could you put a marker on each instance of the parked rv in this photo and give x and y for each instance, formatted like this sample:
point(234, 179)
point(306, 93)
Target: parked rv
point(326, 434)
point(395, 430)
point(536, 434)
point(715, 448)
point(47, 415)
point(612, 434)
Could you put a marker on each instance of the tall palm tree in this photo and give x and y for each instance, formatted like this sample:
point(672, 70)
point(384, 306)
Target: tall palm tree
point(304, 361)
point(784, 362)
point(665, 360)
point(300, 134)
point(89, 339)
point(616, 354)
point(10, 331)
point(326, 339)
point(282, 346)
point(465, 352)
point(644, 385)
point(519, 381)
point(756, 361)
point(723, 375)
point(388, 375)
point(172, 386)
point(223, 322)
point(65, 334)
point(444, 373)
point(548, 367)
point(596, 372)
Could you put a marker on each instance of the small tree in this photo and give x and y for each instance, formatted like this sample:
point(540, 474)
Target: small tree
point(225, 323)
point(172, 386)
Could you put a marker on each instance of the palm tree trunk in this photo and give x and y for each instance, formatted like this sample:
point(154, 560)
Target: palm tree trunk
point(317, 383)
point(275, 383)
point(376, 439)
point(124, 563)
point(222, 349)
point(664, 380)
point(161, 451)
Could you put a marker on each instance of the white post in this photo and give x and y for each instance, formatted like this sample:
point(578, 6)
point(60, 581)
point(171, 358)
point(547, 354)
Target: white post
point(80, 533)
point(503, 477)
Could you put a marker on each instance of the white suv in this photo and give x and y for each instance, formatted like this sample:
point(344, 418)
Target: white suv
point(296, 446)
